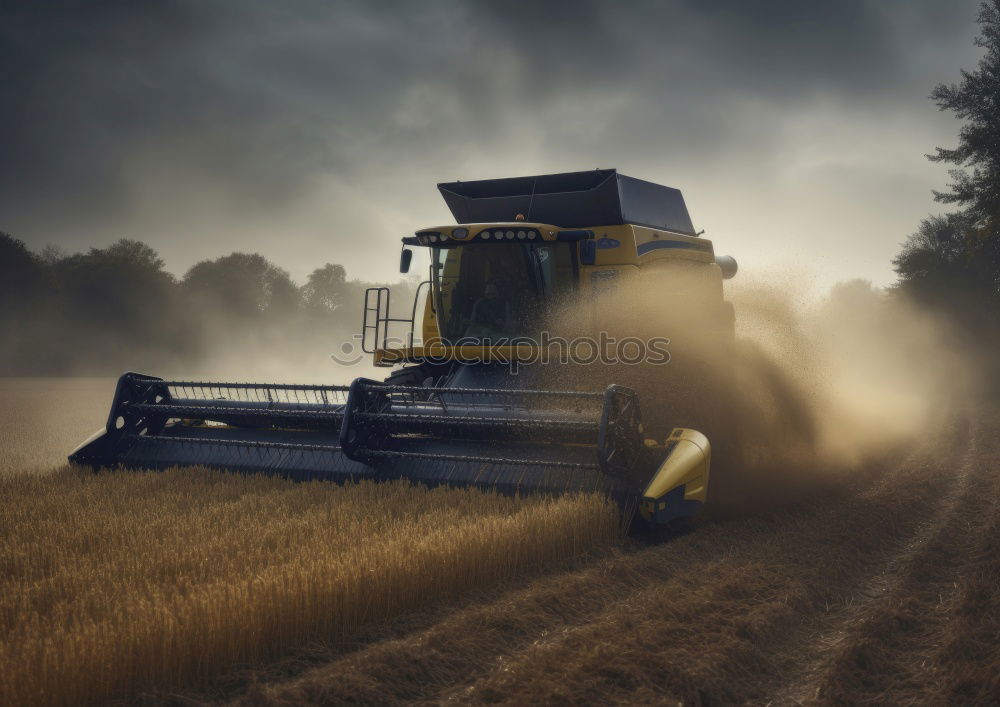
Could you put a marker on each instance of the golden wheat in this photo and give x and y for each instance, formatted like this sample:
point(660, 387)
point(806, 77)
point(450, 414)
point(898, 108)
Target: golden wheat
point(120, 582)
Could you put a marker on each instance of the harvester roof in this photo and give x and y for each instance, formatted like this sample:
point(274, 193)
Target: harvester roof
point(602, 197)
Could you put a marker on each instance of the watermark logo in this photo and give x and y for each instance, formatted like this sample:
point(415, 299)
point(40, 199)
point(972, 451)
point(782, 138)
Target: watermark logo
point(604, 350)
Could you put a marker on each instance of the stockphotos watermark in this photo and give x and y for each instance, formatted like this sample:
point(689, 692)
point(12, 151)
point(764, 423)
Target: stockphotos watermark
point(605, 350)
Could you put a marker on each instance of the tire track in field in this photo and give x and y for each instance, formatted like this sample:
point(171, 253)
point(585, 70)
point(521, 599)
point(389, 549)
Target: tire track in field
point(895, 650)
point(967, 659)
point(824, 649)
point(717, 615)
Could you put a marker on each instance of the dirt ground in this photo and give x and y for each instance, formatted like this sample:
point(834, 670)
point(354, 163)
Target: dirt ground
point(881, 589)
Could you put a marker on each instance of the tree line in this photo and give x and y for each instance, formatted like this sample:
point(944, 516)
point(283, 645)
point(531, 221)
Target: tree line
point(951, 264)
point(107, 309)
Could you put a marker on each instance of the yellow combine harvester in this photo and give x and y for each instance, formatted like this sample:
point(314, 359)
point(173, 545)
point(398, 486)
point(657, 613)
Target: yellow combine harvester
point(478, 397)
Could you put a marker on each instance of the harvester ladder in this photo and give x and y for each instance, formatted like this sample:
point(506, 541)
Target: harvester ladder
point(375, 327)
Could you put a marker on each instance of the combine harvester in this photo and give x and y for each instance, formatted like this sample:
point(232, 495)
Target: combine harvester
point(453, 412)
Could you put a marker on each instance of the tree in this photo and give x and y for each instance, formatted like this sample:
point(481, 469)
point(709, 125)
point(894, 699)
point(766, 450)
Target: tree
point(954, 260)
point(242, 284)
point(933, 260)
point(124, 282)
point(134, 254)
point(326, 289)
point(976, 99)
point(52, 254)
point(117, 305)
point(853, 296)
point(27, 292)
point(23, 275)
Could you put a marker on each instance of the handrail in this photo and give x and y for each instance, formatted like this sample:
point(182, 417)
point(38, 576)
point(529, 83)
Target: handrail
point(416, 301)
point(380, 327)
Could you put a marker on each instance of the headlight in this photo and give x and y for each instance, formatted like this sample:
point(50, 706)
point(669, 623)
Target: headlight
point(510, 235)
point(459, 232)
point(522, 235)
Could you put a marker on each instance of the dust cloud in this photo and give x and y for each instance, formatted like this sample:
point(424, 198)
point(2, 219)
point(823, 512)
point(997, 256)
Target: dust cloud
point(869, 368)
point(811, 389)
point(296, 354)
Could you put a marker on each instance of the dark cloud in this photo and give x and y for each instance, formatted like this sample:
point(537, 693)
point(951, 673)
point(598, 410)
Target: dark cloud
point(209, 126)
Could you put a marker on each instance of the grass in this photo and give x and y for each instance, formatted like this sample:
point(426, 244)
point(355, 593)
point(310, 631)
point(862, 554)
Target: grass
point(123, 583)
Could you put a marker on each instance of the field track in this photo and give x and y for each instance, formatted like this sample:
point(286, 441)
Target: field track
point(882, 590)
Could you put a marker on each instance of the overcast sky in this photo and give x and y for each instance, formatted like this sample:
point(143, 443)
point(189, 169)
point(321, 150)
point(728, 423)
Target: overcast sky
point(316, 131)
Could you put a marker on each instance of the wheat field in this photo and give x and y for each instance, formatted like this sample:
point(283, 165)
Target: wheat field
point(118, 584)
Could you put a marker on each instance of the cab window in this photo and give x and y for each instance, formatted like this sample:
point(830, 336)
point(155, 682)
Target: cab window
point(496, 291)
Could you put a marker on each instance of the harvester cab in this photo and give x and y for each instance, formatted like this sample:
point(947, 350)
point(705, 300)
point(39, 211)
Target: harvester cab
point(477, 397)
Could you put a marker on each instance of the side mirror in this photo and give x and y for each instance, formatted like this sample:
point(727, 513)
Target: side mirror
point(727, 264)
point(405, 256)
